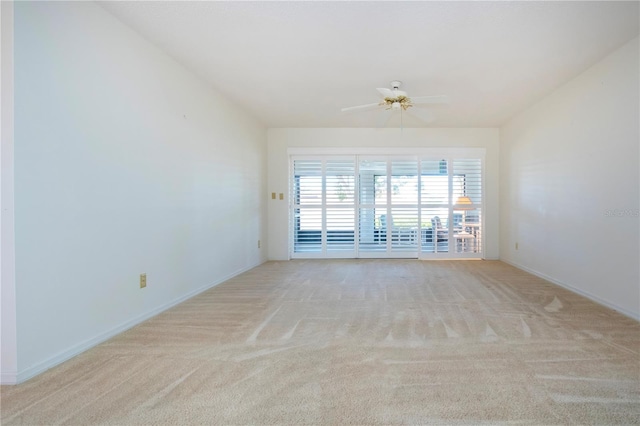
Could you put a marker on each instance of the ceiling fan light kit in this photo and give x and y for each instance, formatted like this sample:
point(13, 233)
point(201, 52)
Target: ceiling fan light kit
point(397, 103)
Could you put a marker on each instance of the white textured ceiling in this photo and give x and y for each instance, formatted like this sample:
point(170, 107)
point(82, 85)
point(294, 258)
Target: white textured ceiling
point(296, 64)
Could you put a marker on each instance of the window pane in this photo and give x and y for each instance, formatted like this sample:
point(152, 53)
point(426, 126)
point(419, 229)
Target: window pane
point(307, 232)
point(307, 226)
point(373, 229)
point(340, 181)
point(340, 229)
point(435, 230)
point(308, 182)
point(468, 179)
point(404, 229)
point(404, 182)
point(435, 182)
point(373, 182)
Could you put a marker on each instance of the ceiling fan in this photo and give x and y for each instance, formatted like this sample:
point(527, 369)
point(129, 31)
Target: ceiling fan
point(395, 99)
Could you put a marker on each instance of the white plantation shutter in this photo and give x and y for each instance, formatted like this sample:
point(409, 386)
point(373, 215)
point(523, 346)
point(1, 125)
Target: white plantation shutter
point(404, 182)
point(307, 195)
point(435, 201)
point(324, 206)
point(340, 204)
point(386, 206)
point(467, 182)
point(404, 205)
point(468, 179)
point(435, 182)
point(372, 212)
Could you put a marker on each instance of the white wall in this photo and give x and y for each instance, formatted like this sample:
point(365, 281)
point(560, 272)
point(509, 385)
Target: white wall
point(8, 345)
point(570, 184)
point(280, 140)
point(125, 163)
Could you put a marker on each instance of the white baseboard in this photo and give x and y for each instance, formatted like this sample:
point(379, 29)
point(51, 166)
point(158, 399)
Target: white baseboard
point(593, 297)
point(9, 378)
point(12, 378)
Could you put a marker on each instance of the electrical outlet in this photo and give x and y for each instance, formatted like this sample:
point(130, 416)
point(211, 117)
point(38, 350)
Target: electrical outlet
point(258, 243)
point(143, 280)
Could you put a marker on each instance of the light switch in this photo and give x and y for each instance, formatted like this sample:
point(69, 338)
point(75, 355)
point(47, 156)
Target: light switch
point(273, 195)
point(281, 196)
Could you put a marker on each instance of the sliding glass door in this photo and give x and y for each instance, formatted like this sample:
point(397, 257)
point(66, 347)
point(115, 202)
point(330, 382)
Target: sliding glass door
point(386, 206)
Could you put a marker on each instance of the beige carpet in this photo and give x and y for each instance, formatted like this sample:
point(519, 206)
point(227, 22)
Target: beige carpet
point(355, 342)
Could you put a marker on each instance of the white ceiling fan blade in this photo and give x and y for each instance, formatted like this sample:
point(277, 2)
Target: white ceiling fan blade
point(420, 114)
point(389, 93)
point(438, 99)
point(386, 93)
point(360, 107)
